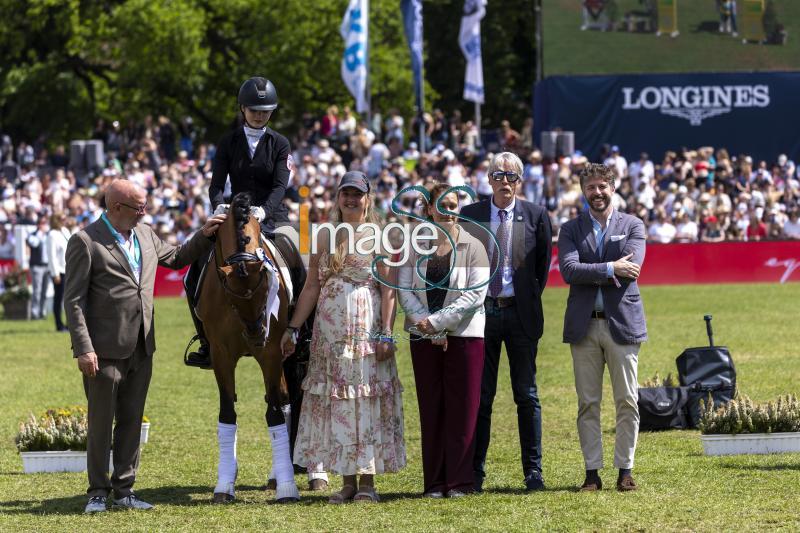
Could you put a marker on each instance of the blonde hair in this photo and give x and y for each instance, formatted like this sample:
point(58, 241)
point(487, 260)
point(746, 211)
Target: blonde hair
point(336, 261)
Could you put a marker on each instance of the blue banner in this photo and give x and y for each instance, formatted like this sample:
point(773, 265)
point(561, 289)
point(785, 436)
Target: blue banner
point(412, 25)
point(752, 113)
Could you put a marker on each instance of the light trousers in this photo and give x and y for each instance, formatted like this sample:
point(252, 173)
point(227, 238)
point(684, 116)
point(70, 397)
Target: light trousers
point(589, 358)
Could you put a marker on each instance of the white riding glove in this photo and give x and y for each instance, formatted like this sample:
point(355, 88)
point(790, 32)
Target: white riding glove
point(258, 213)
point(222, 209)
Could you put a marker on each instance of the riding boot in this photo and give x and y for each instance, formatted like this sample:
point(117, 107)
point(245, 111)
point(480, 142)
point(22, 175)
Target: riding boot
point(202, 357)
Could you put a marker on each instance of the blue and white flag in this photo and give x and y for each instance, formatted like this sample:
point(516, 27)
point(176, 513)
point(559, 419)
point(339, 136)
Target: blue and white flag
point(355, 32)
point(412, 24)
point(469, 39)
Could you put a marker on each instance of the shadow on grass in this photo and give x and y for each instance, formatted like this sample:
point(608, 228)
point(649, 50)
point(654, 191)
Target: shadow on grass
point(764, 468)
point(707, 26)
point(184, 496)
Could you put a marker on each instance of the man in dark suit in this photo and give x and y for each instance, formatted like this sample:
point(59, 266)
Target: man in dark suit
point(600, 256)
point(513, 308)
point(108, 298)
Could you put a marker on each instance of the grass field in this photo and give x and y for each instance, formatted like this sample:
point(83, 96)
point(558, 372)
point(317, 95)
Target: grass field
point(681, 489)
point(699, 48)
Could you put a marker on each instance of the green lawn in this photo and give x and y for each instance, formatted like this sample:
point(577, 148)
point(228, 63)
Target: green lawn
point(699, 48)
point(681, 489)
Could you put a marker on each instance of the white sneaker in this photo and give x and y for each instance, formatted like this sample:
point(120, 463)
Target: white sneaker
point(132, 501)
point(96, 504)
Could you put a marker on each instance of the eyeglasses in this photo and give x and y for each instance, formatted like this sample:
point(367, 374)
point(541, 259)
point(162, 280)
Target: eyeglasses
point(139, 210)
point(510, 176)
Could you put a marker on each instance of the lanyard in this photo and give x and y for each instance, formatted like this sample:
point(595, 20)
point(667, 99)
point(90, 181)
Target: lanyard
point(134, 260)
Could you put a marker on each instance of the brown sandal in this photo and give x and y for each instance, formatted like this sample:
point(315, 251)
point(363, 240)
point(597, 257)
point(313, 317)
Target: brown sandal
point(366, 494)
point(340, 497)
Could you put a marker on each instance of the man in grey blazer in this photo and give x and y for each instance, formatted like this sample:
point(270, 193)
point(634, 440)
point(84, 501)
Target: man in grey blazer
point(108, 297)
point(600, 255)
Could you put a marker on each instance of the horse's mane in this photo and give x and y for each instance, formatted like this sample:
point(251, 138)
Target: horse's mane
point(240, 207)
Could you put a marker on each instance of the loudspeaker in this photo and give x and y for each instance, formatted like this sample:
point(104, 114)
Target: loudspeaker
point(549, 144)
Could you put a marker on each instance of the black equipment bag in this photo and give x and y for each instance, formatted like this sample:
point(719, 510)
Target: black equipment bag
point(663, 408)
point(707, 370)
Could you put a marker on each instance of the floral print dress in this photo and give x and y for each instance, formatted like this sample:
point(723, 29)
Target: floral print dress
point(351, 420)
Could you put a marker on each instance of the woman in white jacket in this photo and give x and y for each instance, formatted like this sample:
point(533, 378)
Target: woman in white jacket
point(57, 239)
point(446, 326)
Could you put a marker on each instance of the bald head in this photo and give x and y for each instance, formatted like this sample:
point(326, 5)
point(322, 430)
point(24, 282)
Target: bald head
point(125, 204)
point(124, 191)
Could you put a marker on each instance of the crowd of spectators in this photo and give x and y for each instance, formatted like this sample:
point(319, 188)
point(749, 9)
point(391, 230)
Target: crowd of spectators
point(689, 195)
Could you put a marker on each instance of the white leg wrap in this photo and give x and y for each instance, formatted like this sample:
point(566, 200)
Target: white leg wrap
point(227, 468)
point(282, 463)
point(317, 472)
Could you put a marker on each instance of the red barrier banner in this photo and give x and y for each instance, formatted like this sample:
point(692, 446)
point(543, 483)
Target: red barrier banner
point(724, 262)
point(6, 265)
point(665, 264)
point(169, 282)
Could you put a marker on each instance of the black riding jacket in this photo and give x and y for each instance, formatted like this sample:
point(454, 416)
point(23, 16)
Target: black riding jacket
point(265, 176)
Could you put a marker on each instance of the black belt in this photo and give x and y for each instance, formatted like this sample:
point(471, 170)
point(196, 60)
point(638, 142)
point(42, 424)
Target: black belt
point(501, 301)
point(598, 314)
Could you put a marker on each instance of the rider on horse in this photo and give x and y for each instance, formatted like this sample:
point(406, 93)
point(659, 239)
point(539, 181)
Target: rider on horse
point(257, 159)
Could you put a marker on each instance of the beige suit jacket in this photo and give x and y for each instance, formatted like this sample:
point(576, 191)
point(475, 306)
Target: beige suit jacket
point(106, 307)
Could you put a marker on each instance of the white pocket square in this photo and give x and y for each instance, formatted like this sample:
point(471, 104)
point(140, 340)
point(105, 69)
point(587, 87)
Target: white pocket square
point(615, 238)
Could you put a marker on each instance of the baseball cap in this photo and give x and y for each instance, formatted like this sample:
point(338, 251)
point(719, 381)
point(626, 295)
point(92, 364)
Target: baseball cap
point(355, 179)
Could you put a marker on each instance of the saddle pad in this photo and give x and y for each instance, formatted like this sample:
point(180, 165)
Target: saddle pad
point(282, 265)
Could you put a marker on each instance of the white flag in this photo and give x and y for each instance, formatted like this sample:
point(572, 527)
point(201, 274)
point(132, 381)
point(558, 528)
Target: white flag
point(354, 31)
point(469, 39)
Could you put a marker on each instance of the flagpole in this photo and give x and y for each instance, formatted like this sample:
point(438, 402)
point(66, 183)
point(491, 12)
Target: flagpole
point(478, 143)
point(368, 85)
point(421, 92)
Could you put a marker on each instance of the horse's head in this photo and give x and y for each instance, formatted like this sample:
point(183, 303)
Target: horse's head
point(242, 271)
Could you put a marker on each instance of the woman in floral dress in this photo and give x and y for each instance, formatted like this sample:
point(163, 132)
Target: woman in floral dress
point(352, 415)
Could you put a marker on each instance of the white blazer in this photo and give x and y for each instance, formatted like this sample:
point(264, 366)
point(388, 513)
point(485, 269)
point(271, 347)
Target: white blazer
point(57, 251)
point(462, 314)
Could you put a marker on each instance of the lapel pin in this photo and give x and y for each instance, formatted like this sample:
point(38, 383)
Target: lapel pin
point(519, 218)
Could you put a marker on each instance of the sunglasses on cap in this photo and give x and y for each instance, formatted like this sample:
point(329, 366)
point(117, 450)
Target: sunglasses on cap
point(510, 176)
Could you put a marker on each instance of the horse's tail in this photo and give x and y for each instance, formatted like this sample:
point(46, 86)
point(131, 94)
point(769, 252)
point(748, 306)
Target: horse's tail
point(240, 208)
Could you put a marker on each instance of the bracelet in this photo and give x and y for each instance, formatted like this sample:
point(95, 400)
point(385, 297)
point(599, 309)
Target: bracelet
point(386, 338)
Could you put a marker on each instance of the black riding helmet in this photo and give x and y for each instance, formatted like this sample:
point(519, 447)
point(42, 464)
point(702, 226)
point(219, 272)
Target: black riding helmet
point(258, 94)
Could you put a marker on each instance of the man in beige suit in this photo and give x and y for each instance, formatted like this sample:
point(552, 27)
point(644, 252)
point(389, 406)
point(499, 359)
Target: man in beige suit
point(108, 297)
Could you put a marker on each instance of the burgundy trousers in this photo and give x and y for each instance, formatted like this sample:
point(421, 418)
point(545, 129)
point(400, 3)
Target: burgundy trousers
point(449, 393)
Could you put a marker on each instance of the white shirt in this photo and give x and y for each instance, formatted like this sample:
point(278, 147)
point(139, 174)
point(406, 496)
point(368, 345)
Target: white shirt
point(792, 229)
point(57, 250)
point(506, 266)
point(253, 137)
point(662, 233)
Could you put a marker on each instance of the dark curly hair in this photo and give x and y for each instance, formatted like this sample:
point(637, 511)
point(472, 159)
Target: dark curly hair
point(596, 170)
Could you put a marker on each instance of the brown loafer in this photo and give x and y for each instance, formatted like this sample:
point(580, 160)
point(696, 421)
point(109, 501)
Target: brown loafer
point(626, 483)
point(591, 486)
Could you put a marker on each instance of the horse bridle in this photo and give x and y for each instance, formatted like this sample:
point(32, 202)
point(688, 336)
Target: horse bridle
point(239, 259)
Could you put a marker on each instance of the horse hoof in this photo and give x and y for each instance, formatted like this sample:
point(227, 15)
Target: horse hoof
point(271, 485)
point(290, 499)
point(317, 485)
point(222, 497)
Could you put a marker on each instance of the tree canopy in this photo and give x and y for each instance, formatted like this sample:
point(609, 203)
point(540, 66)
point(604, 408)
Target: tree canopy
point(66, 63)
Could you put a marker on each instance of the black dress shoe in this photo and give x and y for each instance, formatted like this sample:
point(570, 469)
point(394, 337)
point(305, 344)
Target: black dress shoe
point(201, 358)
point(534, 481)
point(478, 482)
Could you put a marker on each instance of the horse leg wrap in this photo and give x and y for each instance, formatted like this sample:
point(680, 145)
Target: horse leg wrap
point(317, 472)
point(227, 468)
point(282, 463)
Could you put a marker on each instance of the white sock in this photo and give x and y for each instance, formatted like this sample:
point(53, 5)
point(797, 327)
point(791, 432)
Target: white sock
point(227, 467)
point(281, 461)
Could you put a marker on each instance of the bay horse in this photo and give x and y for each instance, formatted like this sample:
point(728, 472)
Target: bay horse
point(233, 307)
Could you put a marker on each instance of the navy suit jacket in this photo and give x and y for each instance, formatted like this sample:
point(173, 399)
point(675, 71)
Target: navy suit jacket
point(531, 248)
point(585, 270)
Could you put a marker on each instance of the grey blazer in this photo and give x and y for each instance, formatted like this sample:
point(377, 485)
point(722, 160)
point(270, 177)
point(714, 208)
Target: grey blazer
point(585, 271)
point(104, 304)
